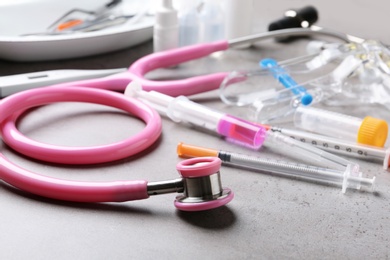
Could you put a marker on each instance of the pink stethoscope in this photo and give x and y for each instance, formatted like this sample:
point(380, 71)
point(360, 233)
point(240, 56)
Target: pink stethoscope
point(200, 182)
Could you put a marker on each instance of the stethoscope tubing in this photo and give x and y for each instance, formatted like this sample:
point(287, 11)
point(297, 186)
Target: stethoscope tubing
point(78, 155)
point(67, 189)
point(313, 30)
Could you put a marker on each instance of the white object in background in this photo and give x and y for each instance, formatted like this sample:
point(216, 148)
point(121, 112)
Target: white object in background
point(166, 28)
point(239, 18)
point(212, 21)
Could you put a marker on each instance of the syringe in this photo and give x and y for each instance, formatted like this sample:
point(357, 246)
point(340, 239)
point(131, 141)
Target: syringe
point(343, 178)
point(339, 146)
point(307, 153)
point(181, 109)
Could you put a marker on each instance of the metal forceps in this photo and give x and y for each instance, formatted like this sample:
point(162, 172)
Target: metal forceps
point(100, 12)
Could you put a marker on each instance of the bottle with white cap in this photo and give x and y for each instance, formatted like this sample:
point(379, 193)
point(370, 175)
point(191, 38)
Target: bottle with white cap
point(166, 29)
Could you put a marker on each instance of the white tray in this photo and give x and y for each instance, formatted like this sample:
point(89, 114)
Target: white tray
point(18, 17)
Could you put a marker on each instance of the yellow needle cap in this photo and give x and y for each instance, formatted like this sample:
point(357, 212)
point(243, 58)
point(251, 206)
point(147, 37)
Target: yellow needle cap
point(373, 131)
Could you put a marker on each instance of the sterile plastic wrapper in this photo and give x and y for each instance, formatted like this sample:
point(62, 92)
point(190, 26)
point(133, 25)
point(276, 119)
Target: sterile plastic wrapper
point(335, 74)
point(275, 93)
point(241, 88)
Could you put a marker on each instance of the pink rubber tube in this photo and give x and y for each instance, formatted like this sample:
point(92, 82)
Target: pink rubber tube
point(115, 191)
point(169, 58)
point(164, 59)
point(77, 155)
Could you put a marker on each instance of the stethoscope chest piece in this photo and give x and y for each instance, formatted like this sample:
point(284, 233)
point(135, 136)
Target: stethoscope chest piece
point(202, 185)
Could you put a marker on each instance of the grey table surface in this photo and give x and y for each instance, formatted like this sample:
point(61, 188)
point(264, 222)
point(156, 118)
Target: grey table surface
point(270, 217)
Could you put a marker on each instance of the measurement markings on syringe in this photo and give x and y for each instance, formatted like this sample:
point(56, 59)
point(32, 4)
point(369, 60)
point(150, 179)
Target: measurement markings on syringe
point(329, 145)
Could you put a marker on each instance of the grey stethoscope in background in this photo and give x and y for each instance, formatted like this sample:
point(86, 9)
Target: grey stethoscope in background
point(281, 29)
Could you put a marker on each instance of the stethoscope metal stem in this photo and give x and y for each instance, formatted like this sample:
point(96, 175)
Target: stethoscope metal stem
point(164, 187)
point(198, 189)
point(313, 30)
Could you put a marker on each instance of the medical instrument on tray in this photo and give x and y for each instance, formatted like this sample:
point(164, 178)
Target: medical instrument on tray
point(343, 178)
point(339, 146)
point(67, 21)
point(15, 83)
point(236, 130)
point(80, 21)
point(96, 24)
point(369, 131)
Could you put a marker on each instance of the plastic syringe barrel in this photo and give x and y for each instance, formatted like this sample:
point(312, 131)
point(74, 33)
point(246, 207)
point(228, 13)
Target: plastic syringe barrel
point(341, 177)
point(339, 146)
point(181, 109)
point(307, 152)
point(234, 129)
